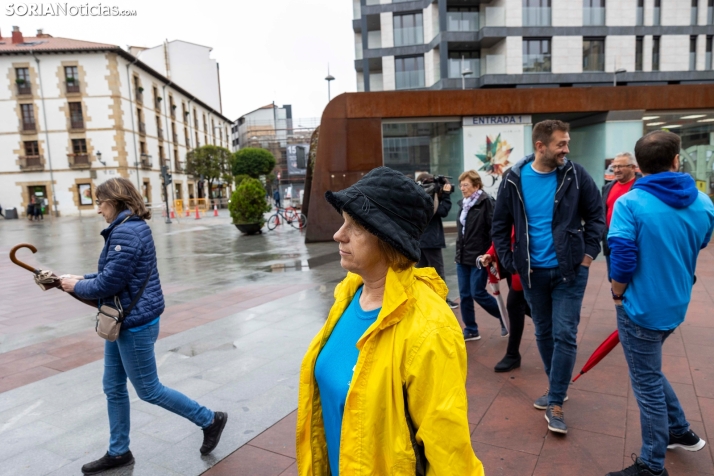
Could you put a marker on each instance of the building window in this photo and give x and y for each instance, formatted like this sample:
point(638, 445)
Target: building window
point(205, 124)
point(76, 119)
point(138, 91)
point(593, 54)
point(157, 99)
point(640, 13)
point(31, 148)
point(536, 55)
point(28, 117)
point(657, 17)
point(195, 119)
point(142, 147)
point(710, 12)
point(184, 112)
point(460, 61)
point(159, 130)
point(22, 79)
point(694, 12)
point(410, 72)
point(638, 53)
point(708, 55)
point(692, 53)
point(185, 135)
point(462, 19)
point(655, 53)
point(71, 77)
point(593, 12)
point(79, 146)
point(536, 12)
point(408, 29)
point(140, 119)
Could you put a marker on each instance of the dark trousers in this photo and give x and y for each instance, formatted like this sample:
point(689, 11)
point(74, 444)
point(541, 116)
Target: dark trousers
point(432, 258)
point(472, 287)
point(517, 308)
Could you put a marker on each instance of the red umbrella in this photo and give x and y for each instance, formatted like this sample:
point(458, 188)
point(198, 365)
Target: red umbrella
point(493, 280)
point(600, 353)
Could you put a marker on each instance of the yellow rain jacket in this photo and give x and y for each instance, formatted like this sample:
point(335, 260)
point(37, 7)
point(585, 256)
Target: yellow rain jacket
point(406, 409)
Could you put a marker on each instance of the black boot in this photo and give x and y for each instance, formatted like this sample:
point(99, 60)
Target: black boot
point(212, 434)
point(508, 363)
point(107, 462)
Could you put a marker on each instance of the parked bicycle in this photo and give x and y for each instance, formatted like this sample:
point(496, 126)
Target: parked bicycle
point(290, 215)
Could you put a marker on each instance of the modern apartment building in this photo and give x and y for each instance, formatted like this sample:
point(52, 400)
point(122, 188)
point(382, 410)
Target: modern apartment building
point(77, 113)
point(454, 44)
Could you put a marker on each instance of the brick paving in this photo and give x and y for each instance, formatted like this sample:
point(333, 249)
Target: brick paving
point(511, 437)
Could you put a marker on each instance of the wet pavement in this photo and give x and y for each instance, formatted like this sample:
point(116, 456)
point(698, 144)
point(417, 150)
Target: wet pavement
point(240, 313)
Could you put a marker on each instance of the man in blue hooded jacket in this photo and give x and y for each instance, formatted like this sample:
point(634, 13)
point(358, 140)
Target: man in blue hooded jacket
point(656, 233)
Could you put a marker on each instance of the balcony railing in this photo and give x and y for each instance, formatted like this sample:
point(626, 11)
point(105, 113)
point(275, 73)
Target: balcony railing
point(462, 21)
point(71, 87)
point(175, 137)
point(24, 89)
point(160, 134)
point(139, 96)
point(179, 166)
point(173, 111)
point(408, 36)
point(536, 16)
point(146, 162)
point(410, 79)
point(457, 66)
point(29, 126)
point(76, 124)
point(78, 161)
point(536, 63)
point(593, 16)
point(157, 103)
point(142, 128)
point(31, 162)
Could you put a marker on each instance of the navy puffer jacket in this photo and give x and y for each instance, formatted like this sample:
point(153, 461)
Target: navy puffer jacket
point(127, 257)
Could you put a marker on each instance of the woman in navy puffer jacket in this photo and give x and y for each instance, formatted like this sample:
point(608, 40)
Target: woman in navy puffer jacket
point(127, 259)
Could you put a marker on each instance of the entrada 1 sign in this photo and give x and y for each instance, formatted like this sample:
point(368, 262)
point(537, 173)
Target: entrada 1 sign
point(496, 120)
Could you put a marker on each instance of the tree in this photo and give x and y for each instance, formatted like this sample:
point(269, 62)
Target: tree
point(209, 162)
point(248, 203)
point(252, 161)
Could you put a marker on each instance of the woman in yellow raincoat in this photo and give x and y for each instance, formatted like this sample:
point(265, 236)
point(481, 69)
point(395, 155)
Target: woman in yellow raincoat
point(382, 385)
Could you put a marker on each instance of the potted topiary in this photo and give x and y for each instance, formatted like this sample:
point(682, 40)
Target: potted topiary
point(248, 205)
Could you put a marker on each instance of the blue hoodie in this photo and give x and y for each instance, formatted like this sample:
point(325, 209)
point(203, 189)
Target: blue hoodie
point(656, 233)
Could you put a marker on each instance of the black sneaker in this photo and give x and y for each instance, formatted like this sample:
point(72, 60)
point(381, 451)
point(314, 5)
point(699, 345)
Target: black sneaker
point(504, 332)
point(688, 441)
point(212, 434)
point(638, 469)
point(107, 462)
point(556, 419)
point(468, 335)
point(452, 304)
point(541, 402)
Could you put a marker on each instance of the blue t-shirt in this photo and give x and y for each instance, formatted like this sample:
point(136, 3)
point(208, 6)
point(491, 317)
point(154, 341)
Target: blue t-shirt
point(144, 326)
point(668, 241)
point(539, 197)
point(333, 372)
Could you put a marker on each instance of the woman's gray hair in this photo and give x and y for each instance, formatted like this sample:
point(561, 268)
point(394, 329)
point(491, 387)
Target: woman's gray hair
point(630, 158)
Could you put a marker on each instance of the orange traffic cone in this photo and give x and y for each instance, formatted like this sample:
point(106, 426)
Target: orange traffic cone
point(197, 215)
point(173, 215)
point(188, 212)
point(215, 210)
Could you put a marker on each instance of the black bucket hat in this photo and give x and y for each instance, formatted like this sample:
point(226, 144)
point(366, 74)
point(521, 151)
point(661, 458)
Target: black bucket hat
point(389, 205)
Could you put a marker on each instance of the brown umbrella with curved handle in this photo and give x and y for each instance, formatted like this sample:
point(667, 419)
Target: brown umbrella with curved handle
point(44, 279)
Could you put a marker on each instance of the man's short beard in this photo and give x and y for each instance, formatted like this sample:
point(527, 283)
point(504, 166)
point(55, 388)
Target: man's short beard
point(550, 159)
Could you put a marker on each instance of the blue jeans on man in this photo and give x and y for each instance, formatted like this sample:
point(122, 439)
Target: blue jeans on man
point(660, 411)
point(555, 308)
point(472, 287)
point(132, 355)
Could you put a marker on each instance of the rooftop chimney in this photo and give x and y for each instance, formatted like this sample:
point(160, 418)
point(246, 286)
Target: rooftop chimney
point(17, 35)
point(42, 34)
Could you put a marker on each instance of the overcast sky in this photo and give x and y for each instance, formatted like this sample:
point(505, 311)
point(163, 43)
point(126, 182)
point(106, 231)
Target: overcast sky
point(268, 50)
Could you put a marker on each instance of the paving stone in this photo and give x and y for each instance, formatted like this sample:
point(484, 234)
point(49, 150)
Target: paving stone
point(36, 461)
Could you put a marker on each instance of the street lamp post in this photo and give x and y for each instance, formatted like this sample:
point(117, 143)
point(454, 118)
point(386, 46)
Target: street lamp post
point(328, 79)
point(614, 76)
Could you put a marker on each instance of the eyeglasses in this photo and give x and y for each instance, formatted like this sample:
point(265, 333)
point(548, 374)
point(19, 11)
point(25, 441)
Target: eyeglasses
point(615, 167)
point(99, 202)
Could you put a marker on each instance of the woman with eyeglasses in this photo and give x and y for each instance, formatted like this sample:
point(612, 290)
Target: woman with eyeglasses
point(127, 267)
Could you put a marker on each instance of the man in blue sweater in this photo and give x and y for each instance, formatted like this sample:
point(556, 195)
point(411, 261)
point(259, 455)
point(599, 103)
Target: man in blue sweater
point(656, 233)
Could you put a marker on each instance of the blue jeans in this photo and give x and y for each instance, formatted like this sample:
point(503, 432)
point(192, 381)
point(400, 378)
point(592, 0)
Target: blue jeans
point(660, 411)
point(132, 355)
point(555, 308)
point(472, 287)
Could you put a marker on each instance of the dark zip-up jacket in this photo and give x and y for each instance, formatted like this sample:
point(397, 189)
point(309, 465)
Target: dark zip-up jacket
point(605, 192)
point(477, 239)
point(433, 236)
point(578, 220)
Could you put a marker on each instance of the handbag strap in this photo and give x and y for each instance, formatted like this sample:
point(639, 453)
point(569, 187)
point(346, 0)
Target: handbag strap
point(136, 298)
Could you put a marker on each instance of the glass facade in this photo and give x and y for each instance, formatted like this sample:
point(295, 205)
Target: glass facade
point(708, 54)
point(638, 53)
point(640, 13)
point(433, 147)
point(409, 72)
point(461, 60)
point(536, 12)
point(593, 12)
point(692, 53)
point(655, 53)
point(696, 129)
point(408, 29)
point(593, 54)
point(536, 55)
point(462, 19)
point(657, 17)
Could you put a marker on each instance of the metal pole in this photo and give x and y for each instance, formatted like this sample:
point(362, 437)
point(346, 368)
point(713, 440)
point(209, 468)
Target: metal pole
point(47, 138)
